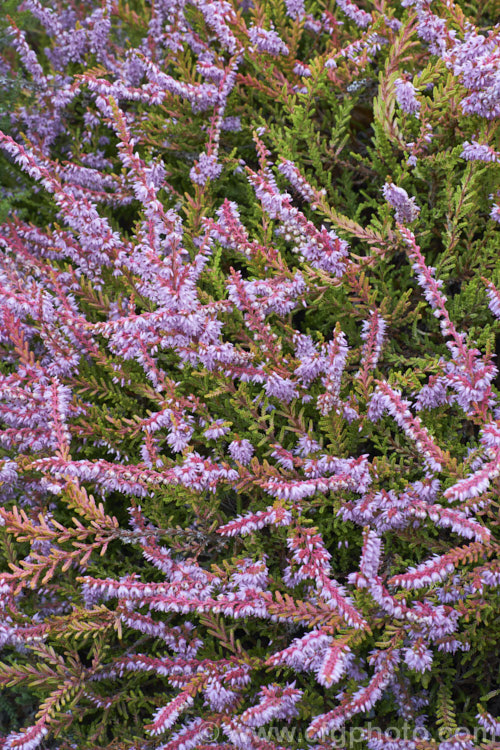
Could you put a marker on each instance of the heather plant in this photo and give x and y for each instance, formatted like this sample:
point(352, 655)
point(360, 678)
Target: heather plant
point(249, 430)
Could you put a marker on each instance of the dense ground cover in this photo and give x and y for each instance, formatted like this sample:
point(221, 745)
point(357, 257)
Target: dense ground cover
point(249, 414)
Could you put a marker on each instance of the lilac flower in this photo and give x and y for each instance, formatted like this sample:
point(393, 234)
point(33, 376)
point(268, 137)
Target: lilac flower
point(231, 123)
point(360, 17)
point(283, 457)
point(275, 703)
point(174, 637)
point(427, 489)
point(217, 696)
point(301, 70)
point(293, 175)
point(241, 451)
point(361, 701)
point(267, 41)
point(370, 558)
point(493, 297)
point(470, 377)
point(206, 168)
point(334, 664)
point(491, 724)
point(28, 56)
point(433, 30)
point(337, 352)
point(432, 395)
point(304, 654)
point(388, 399)
point(459, 742)
point(475, 151)
point(376, 740)
point(495, 210)
point(166, 716)
point(479, 481)
point(74, 40)
point(373, 335)
point(283, 389)
point(216, 429)
point(250, 575)
point(206, 66)
point(191, 735)
point(418, 658)
point(8, 472)
point(274, 515)
point(179, 436)
point(217, 15)
point(306, 445)
point(406, 207)
point(475, 60)
point(29, 739)
point(94, 232)
point(229, 230)
point(201, 96)
point(321, 248)
point(312, 362)
point(490, 437)
point(325, 251)
point(406, 96)
point(299, 489)
point(269, 295)
point(295, 9)
point(200, 474)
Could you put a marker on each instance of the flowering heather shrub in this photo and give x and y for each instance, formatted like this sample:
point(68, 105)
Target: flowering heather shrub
point(250, 426)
